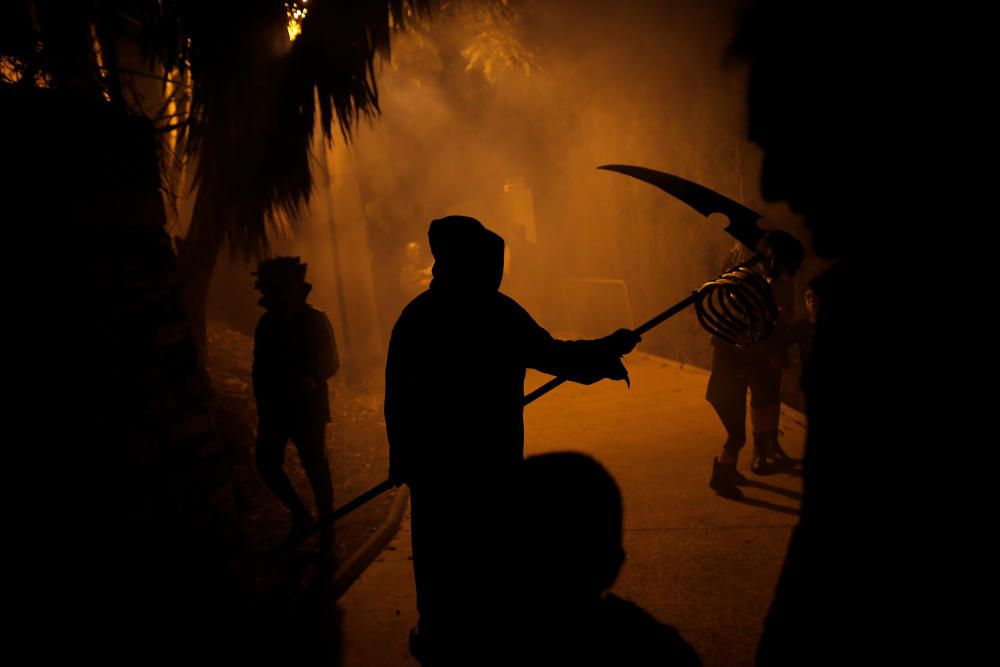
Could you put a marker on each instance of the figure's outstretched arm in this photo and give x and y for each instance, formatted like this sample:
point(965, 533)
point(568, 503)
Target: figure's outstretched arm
point(584, 361)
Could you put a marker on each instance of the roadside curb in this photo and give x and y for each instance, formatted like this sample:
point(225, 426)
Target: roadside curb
point(348, 573)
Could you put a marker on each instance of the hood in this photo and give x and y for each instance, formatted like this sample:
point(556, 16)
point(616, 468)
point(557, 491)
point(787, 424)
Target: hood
point(468, 258)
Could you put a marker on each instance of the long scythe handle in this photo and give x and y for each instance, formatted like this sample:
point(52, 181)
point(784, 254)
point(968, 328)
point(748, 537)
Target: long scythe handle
point(338, 513)
point(641, 329)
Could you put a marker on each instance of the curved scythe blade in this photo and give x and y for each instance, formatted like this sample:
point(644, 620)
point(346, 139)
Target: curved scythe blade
point(742, 220)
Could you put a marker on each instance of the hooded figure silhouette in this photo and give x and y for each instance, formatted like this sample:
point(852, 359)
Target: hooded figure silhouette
point(453, 408)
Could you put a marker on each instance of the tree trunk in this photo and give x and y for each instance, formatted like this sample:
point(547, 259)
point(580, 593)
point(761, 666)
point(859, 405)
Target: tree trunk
point(197, 254)
point(124, 474)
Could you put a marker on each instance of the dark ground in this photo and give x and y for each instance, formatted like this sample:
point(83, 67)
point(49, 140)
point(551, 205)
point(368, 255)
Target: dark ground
point(358, 458)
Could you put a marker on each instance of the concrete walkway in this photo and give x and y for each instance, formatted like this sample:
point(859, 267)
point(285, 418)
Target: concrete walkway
point(695, 561)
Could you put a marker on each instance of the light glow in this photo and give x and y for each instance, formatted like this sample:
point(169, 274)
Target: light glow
point(296, 12)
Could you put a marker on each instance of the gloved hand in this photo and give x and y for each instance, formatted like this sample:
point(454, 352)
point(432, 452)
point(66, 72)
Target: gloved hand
point(610, 368)
point(621, 342)
point(615, 370)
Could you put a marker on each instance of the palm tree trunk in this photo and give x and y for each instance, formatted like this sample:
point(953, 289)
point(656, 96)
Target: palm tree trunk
point(196, 258)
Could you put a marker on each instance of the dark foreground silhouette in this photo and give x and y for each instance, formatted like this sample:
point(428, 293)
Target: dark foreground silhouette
point(755, 368)
point(859, 585)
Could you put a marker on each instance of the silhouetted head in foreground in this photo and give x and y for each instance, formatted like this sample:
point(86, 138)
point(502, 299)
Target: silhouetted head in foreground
point(570, 553)
point(572, 519)
point(282, 283)
point(468, 258)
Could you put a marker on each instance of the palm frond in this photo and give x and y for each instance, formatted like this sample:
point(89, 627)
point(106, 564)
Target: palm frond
point(255, 97)
point(252, 100)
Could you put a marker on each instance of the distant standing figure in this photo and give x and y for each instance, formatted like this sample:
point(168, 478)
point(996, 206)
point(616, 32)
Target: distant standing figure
point(294, 354)
point(756, 368)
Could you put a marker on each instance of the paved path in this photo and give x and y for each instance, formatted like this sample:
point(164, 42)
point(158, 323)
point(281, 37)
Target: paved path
point(700, 563)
